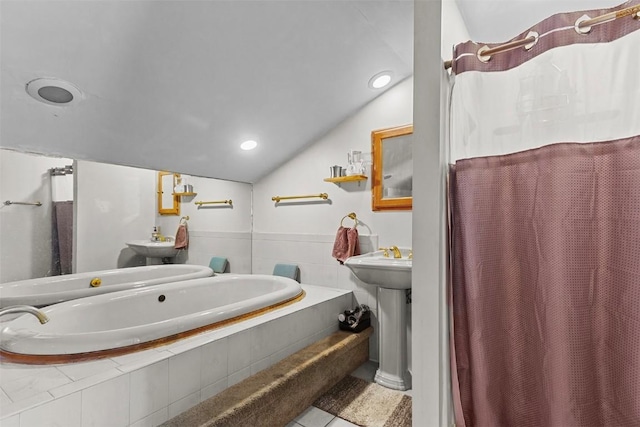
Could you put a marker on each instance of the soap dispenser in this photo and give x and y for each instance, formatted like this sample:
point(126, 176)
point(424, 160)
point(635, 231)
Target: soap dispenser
point(155, 234)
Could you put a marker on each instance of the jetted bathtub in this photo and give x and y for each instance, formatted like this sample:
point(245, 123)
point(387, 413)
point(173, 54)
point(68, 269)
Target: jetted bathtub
point(141, 318)
point(54, 289)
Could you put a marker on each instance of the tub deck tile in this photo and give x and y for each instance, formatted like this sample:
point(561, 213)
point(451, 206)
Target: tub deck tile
point(83, 383)
point(25, 404)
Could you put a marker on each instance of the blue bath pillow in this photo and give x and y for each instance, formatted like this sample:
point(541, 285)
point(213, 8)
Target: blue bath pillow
point(287, 270)
point(218, 264)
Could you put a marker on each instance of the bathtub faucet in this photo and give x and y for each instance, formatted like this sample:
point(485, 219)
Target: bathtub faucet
point(25, 309)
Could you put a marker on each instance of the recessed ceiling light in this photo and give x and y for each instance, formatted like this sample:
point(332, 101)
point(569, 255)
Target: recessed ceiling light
point(53, 91)
point(248, 145)
point(380, 80)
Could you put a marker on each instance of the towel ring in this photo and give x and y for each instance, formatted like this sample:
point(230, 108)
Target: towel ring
point(352, 216)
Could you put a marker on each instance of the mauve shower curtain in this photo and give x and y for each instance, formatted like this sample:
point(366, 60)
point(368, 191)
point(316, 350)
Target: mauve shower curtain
point(545, 230)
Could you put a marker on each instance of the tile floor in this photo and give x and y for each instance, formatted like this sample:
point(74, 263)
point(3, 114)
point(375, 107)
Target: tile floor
point(314, 417)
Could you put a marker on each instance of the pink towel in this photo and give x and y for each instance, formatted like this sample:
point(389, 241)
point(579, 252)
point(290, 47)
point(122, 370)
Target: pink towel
point(346, 244)
point(182, 237)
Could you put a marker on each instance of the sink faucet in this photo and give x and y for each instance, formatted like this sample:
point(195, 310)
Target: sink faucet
point(25, 309)
point(396, 252)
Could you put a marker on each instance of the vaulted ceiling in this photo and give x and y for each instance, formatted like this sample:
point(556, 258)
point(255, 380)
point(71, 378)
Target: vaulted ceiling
point(178, 85)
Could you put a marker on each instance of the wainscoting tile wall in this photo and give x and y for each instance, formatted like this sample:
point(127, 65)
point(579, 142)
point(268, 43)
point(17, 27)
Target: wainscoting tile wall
point(312, 253)
point(235, 246)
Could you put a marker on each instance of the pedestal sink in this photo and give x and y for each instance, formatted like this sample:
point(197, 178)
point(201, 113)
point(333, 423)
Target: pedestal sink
point(392, 276)
point(153, 251)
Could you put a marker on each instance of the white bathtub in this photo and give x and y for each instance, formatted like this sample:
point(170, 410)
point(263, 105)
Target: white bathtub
point(55, 289)
point(127, 320)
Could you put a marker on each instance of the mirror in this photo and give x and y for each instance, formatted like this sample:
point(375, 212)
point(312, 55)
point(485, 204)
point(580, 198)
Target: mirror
point(111, 204)
point(168, 203)
point(392, 171)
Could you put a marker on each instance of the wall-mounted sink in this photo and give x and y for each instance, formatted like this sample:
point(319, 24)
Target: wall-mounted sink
point(151, 249)
point(392, 276)
point(386, 272)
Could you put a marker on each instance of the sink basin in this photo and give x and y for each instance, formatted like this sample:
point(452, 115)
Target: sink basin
point(151, 249)
point(375, 269)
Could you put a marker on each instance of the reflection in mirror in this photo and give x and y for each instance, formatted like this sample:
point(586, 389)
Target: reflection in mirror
point(168, 203)
point(392, 180)
point(36, 240)
point(112, 204)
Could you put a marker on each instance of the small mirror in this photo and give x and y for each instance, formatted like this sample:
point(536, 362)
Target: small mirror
point(168, 203)
point(392, 180)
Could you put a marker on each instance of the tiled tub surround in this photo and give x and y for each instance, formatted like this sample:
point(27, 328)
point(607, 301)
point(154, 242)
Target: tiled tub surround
point(152, 386)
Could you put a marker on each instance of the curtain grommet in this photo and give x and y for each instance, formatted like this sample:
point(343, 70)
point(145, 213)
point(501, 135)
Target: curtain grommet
point(535, 35)
point(578, 28)
point(481, 56)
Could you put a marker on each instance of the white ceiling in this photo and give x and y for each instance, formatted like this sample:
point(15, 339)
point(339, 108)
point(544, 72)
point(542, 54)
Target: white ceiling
point(178, 85)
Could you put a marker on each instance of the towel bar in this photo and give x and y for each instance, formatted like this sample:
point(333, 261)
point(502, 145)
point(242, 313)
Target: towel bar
point(9, 202)
point(226, 202)
point(323, 196)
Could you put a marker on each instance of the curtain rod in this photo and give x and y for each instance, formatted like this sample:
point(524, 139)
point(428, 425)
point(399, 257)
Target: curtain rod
point(582, 26)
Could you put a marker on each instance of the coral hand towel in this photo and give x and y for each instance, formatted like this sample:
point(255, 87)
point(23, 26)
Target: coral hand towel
point(346, 244)
point(182, 237)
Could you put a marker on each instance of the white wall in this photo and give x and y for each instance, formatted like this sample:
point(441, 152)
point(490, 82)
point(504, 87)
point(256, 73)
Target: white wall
point(113, 204)
point(303, 232)
point(215, 230)
point(25, 231)
point(454, 30)
point(431, 382)
point(304, 174)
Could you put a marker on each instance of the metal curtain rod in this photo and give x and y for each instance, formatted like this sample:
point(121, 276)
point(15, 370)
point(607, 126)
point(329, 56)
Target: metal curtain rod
point(582, 26)
point(608, 17)
point(226, 202)
point(323, 196)
point(9, 202)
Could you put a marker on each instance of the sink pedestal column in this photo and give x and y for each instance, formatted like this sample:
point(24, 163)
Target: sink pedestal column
point(392, 320)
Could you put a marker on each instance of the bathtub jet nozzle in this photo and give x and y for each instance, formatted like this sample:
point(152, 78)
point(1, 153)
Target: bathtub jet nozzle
point(42, 318)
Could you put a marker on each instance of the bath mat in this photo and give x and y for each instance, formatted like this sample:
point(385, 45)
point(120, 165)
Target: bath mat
point(366, 404)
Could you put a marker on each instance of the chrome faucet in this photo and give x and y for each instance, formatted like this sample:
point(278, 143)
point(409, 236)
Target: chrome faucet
point(25, 309)
point(396, 252)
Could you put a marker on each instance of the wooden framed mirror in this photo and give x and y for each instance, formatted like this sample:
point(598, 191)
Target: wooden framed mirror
point(392, 170)
point(168, 203)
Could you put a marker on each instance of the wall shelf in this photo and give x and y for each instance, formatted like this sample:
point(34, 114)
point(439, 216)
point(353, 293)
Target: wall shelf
point(351, 178)
point(184, 194)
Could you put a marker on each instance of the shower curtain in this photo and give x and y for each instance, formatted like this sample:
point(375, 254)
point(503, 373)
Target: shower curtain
point(545, 228)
